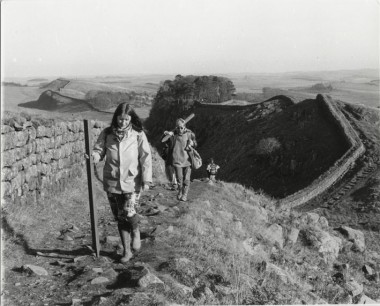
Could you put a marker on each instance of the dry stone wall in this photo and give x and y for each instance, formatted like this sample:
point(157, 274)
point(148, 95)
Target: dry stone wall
point(340, 167)
point(40, 159)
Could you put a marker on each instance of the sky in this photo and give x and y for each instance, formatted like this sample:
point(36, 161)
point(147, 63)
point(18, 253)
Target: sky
point(114, 37)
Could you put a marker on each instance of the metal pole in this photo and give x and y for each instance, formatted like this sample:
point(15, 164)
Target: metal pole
point(90, 175)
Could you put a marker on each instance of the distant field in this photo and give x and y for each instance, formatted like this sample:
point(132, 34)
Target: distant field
point(358, 87)
point(11, 96)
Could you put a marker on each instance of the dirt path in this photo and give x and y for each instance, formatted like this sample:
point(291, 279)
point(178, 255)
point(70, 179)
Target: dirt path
point(70, 263)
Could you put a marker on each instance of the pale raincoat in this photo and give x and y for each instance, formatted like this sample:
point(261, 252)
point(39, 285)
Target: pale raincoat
point(128, 163)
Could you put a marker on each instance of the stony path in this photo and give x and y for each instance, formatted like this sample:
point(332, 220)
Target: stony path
point(63, 270)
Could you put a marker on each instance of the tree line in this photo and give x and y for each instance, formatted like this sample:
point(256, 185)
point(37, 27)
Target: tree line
point(177, 97)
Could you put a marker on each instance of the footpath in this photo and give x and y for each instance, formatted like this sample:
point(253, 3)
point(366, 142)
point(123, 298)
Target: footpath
point(63, 268)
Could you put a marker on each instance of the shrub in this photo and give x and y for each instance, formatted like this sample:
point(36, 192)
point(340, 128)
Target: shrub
point(267, 146)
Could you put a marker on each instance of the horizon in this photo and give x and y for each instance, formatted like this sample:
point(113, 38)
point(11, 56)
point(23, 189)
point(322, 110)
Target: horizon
point(90, 38)
point(200, 74)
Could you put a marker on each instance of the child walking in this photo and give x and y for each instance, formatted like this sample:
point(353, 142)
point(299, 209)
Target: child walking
point(212, 169)
point(127, 171)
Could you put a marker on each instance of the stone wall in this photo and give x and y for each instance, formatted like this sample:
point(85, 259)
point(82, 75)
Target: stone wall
point(40, 157)
point(340, 167)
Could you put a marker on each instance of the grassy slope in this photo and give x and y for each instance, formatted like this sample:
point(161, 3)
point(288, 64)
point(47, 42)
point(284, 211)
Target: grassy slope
point(231, 137)
point(208, 232)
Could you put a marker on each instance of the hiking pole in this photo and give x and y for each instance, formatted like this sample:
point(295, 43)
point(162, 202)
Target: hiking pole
point(187, 119)
point(90, 175)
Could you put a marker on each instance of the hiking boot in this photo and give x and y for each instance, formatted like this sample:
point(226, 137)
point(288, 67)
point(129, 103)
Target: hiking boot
point(126, 256)
point(136, 242)
point(179, 195)
point(125, 240)
point(184, 193)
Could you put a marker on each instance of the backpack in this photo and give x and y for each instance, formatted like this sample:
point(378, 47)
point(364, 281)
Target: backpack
point(196, 160)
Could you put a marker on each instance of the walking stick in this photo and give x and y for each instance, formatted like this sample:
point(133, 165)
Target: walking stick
point(90, 175)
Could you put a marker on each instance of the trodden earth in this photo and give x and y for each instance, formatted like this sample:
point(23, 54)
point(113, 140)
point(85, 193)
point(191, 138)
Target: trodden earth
point(62, 269)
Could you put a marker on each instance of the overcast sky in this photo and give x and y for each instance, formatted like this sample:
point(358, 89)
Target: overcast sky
point(79, 37)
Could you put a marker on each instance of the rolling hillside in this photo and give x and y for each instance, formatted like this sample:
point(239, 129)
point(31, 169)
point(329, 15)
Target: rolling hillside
point(272, 146)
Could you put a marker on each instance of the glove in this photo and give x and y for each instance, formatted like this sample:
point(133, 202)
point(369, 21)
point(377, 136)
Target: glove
point(96, 157)
point(169, 133)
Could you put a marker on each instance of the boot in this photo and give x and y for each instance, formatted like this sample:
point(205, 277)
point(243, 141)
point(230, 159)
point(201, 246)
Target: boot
point(136, 242)
point(179, 195)
point(185, 191)
point(125, 240)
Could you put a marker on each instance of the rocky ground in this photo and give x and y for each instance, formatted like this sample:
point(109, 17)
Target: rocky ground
point(291, 259)
point(63, 268)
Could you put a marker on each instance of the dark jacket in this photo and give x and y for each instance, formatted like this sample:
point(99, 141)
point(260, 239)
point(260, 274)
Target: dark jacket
point(175, 150)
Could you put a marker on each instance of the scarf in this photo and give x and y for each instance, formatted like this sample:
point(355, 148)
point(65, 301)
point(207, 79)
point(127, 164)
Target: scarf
point(121, 133)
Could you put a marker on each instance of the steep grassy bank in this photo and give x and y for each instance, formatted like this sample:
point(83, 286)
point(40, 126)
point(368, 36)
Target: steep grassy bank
point(271, 146)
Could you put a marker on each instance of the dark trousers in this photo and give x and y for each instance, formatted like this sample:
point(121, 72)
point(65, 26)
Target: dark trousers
point(183, 175)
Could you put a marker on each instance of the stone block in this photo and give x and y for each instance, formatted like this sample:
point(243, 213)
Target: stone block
point(56, 154)
point(33, 183)
point(46, 157)
point(33, 159)
point(293, 235)
point(6, 129)
point(31, 147)
point(9, 141)
point(6, 189)
point(40, 131)
point(25, 163)
point(22, 138)
point(40, 145)
point(32, 134)
point(9, 173)
point(18, 181)
point(25, 189)
point(50, 143)
point(54, 166)
point(60, 164)
point(30, 172)
point(8, 158)
point(20, 153)
point(57, 141)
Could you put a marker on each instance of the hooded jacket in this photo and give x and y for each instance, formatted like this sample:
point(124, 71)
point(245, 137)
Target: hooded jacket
point(128, 163)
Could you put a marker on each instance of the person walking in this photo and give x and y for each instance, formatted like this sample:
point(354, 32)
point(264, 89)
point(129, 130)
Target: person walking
point(179, 143)
point(169, 169)
point(212, 169)
point(127, 171)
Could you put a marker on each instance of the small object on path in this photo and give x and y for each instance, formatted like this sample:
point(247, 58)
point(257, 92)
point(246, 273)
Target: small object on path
point(99, 280)
point(34, 270)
